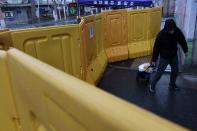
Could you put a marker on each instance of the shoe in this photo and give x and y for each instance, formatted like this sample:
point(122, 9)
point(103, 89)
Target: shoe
point(173, 87)
point(151, 88)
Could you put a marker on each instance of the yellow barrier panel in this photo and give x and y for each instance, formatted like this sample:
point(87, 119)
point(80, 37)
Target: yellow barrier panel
point(96, 69)
point(5, 39)
point(75, 48)
point(101, 55)
point(115, 39)
point(98, 33)
point(155, 15)
point(8, 116)
point(90, 38)
point(82, 33)
point(58, 46)
point(94, 56)
point(100, 62)
point(138, 33)
point(3, 30)
point(50, 100)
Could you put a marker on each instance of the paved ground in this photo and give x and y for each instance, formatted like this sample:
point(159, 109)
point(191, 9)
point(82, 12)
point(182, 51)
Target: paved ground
point(179, 107)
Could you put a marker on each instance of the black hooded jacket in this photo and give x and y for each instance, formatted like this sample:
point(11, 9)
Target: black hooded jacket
point(166, 43)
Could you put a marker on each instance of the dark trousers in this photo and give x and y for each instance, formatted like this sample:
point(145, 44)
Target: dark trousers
point(161, 68)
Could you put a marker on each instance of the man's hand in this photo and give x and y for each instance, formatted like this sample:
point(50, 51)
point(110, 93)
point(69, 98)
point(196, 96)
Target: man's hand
point(186, 54)
point(153, 63)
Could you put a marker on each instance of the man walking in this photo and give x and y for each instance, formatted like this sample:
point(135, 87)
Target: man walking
point(166, 47)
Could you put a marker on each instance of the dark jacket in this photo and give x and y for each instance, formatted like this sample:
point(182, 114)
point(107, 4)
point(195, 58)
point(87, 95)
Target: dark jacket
point(166, 43)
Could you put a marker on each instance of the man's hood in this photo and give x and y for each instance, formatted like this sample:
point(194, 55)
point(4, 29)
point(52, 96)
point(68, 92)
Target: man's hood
point(170, 25)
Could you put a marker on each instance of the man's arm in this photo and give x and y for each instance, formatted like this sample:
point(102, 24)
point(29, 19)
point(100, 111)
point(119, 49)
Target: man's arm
point(182, 41)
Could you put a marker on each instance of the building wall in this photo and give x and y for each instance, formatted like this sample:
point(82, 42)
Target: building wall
point(168, 7)
point(2, 1)
point(191, 19)
point(26, 1)
point(185, 14)
point(14, 1)
point(180, 12)
point(20, 16)
point(194, 55)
